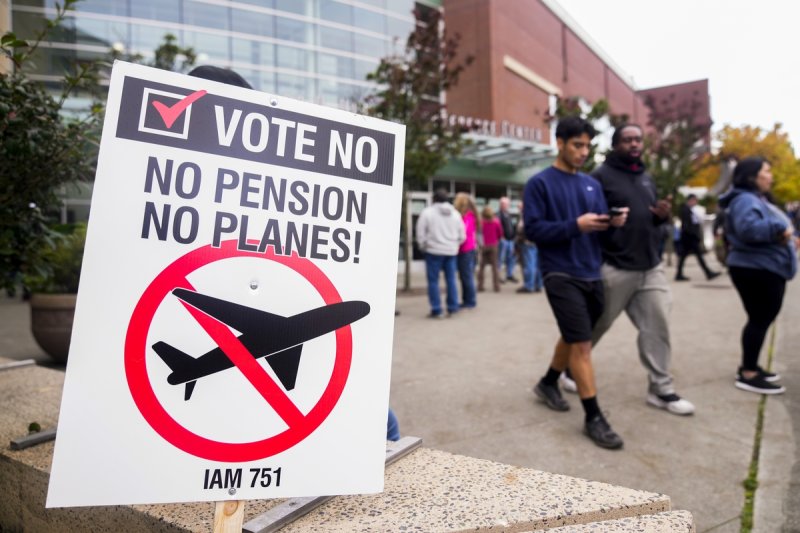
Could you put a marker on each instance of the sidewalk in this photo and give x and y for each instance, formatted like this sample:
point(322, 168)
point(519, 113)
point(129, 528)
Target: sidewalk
point(463, 384)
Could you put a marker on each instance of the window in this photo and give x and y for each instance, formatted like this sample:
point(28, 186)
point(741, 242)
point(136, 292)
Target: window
point(300, 7)
point(145, 39)
point(362, 68)
point(252, 23)
point(106, 7)
point(295, 87)
point(333, 11)
point(341, 95)
point(335, 65)
point(370, 46)
point(336, 39)
point(254, 52)
point(261, 3)
point(205, 15)
point(35, 3)
point(382, 3)
point(161, 10)
point(213, 46)
point(399, 29)
point(100, 32)
point(292, 30)
point(59, 60)
point(294, 58)
point(266, 82)
point(489, 194)
point(369, 20)
point(403, 7)
point(26, 25)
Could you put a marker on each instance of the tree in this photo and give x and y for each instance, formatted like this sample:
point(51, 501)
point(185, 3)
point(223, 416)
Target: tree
point(674, 143)
point(40, 151)
point(599, 112)
point(738, 143)
point(167, 56)
point(410, 89)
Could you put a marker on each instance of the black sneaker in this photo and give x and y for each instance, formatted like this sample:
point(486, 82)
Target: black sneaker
point(601, 433)
point(758, 384)
point(712, 275)
point(551, 396)
point(681, 278)
point(771, 377)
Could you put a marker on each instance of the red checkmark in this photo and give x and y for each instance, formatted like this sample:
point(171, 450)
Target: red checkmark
point(169, 114)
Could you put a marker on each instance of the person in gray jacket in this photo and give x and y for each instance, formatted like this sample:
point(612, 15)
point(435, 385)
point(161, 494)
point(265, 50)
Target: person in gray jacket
point(762, 257)
point(440, 232)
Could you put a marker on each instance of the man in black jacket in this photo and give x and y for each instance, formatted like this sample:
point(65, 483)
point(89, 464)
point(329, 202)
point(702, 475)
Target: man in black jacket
point(633, 277)
point(691, 236)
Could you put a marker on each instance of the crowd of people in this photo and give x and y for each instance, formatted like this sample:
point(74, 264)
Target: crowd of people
point(594, 243)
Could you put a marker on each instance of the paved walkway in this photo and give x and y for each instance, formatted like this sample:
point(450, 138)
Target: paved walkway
point(463, 385)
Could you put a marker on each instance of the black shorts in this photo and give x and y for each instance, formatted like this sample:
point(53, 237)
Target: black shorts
point(577, 305)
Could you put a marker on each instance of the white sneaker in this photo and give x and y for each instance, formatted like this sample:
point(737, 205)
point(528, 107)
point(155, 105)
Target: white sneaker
point(672, 403)
point(568, 384)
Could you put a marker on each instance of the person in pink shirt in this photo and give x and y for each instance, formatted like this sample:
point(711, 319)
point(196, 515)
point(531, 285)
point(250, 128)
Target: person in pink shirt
point(492, 232)
point(465, 205)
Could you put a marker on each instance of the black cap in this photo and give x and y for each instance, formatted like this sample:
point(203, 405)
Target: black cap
point(222, 75)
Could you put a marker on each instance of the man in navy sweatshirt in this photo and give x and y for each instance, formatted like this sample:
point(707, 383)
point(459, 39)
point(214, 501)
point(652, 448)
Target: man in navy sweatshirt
point(564, 209)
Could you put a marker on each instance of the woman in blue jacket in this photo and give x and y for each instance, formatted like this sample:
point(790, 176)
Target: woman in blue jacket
point(761, 259)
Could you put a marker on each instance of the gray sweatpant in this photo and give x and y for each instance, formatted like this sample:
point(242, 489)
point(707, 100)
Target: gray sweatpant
point(646, 298)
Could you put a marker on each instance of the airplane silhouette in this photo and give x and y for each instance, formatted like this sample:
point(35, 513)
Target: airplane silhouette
point(279, 339)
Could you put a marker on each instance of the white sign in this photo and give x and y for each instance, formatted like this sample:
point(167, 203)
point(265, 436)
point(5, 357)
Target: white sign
point(233, 330)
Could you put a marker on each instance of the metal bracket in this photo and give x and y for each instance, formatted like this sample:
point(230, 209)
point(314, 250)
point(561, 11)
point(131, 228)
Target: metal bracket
point(17, 364)
point(33, 439)
point(293, 508)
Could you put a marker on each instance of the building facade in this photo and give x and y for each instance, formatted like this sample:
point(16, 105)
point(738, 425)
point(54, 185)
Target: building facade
point(314, 50)
point(526, 54)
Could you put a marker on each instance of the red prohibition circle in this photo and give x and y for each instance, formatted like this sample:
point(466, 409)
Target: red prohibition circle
point(162, 422)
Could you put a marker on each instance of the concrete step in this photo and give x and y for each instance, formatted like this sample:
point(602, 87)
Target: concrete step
point(428, 490)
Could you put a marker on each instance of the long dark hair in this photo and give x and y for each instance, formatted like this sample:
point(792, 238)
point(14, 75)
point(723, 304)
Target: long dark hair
point(746, 171)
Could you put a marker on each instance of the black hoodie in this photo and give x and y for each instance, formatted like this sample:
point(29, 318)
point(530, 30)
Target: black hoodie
point(626, 184)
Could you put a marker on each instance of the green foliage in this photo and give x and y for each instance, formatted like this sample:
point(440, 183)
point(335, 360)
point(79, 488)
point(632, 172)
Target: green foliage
point(167, 56)
point(746, 141)
point(63, 255)
point(40, 152)
point(410, 89)
point(674, 144)
point(410, 92)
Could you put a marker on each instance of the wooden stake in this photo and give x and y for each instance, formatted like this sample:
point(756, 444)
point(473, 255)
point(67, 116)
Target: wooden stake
point(228, 516)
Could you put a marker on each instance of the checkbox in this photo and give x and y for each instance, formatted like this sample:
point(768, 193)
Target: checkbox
point(151, 120)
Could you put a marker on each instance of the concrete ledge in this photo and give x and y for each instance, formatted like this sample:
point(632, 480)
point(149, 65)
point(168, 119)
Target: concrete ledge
point(428, 490)
point(432, 490)
point(671, 522)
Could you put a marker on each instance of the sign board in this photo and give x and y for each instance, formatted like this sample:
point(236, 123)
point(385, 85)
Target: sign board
point(233, 330)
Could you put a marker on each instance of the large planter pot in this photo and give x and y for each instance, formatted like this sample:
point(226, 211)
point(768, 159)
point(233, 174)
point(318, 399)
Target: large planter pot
point(51, 323)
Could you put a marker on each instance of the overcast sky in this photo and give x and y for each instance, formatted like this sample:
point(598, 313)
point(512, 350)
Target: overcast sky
point(748, 49)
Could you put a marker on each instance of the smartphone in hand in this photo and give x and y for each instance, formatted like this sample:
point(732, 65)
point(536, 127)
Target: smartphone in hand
point(615, 212)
